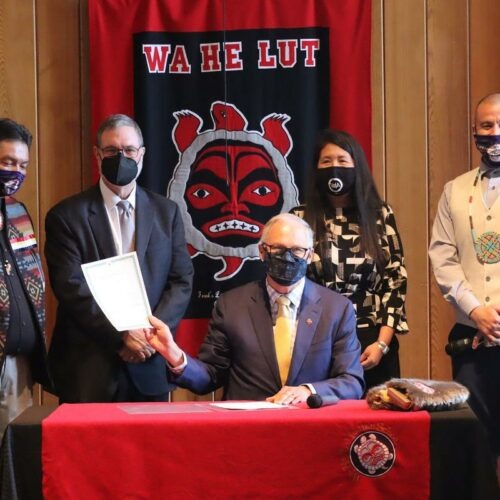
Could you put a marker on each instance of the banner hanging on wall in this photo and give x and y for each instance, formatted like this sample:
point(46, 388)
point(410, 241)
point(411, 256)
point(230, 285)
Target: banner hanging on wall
point(230, 96)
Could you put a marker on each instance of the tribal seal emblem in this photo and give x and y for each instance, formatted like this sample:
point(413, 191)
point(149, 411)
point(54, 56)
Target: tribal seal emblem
point(487, 247)
point(372, 453)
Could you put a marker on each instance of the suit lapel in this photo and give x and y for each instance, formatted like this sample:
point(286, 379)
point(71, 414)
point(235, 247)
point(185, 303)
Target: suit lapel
point(99, 222)
point(308, 317)
point(263, 328)
point(144, 223)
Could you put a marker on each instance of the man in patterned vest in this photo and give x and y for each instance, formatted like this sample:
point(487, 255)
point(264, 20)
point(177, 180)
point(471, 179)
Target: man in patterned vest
point(22, 289)
point(465, 255)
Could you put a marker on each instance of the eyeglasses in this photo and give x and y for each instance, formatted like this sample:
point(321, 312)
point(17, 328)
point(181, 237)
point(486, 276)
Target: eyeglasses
point(299, 252)
point(128, 151)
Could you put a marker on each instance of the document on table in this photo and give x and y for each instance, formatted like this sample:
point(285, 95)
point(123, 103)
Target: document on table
point(248, 405)
point(118, 288)
point(160, 408)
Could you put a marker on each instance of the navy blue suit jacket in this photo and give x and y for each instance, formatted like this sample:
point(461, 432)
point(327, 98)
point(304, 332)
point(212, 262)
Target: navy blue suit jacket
point(239, 355)
point(84, 350)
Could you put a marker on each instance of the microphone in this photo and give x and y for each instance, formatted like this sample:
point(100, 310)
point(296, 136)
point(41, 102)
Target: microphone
point(316, 401)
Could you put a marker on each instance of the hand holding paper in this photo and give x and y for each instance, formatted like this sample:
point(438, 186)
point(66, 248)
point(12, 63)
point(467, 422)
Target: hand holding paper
point(118, 288)
point(161, 340)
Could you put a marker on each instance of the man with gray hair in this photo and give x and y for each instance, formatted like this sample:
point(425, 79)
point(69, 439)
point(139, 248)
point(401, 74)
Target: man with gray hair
point(281, 339)
point(90, 359)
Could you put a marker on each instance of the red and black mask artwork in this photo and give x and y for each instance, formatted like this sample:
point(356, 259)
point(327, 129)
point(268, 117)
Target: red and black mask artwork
point(232, 191)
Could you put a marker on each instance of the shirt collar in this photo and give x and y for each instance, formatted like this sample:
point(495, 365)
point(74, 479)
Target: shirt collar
point(111, 199)
point(485, 171)
point(295, 295)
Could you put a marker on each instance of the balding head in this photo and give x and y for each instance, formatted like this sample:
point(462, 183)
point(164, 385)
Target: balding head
point(487, 130)
point(490, 98)
point(298, 230)
point(286, 249)
point(486, 110)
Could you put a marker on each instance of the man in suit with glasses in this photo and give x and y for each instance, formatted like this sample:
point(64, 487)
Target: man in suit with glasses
point(280, 339)
point(90, 359)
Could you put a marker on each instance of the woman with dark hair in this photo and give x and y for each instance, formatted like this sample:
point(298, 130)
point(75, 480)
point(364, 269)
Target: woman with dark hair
point(358, 251)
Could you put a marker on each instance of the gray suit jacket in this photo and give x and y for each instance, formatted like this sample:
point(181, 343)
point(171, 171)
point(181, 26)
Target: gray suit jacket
point(84, 350)
point(239, 355)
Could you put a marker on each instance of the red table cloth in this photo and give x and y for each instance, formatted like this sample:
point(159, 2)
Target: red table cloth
point(195, 450)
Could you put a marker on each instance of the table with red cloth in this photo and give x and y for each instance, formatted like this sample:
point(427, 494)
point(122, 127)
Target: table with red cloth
point(197, 450)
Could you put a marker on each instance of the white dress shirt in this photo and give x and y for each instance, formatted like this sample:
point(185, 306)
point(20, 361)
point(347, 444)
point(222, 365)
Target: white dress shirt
point(110, 202)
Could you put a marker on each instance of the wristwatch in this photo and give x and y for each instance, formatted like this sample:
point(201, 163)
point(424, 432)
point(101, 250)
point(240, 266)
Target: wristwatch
point(383, 346)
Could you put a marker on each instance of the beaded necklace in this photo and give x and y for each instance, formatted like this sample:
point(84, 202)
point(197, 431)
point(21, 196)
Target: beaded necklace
point(486, 245)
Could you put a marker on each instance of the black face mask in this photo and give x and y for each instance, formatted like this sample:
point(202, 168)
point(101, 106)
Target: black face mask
point(335, 180)
point(119, 170)
point(285, 269)
point(489, 147)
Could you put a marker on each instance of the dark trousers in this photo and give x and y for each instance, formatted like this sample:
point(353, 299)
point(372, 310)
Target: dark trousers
point(389, 364)
point(479, 371)
point(127, 391)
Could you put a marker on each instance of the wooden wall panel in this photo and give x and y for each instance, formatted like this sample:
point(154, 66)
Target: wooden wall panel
point(87, 141)
point(484, 60)
point(378, 100)
point(18, 91)
point(60, 110)
point(405, 31)
point(449, 139)
point(60, 107)
point(18, 94)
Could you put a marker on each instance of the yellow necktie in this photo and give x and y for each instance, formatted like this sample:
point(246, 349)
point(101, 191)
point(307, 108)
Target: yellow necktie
point(283, 336)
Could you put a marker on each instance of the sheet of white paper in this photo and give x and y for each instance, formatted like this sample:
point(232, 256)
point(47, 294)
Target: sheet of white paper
point(160, 408)
point(118, 288)
point(249, 405)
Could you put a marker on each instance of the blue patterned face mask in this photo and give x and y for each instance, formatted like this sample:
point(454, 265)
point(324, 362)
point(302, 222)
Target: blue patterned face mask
point(489, 147)
point(286, 269)
point(10, 181)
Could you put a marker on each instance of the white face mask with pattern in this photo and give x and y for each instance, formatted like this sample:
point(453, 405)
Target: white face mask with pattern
point(489, 147)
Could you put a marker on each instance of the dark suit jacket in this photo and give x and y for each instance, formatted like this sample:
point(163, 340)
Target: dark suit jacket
point(238, 352)
point(84, 350)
